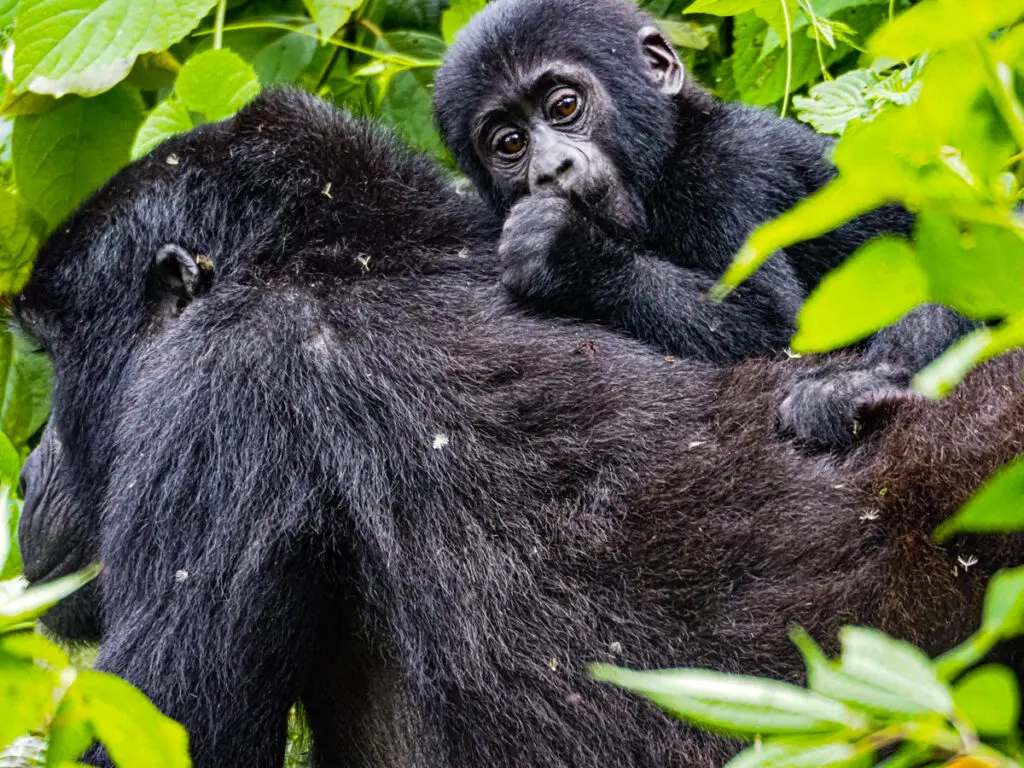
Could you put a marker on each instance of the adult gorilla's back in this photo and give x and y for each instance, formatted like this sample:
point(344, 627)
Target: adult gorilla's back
point(345, 471)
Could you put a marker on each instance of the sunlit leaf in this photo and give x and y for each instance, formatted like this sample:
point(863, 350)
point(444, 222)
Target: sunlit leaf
point(55, 39)
point(825, 677)
point(997, 507)
point(894, 666)
point(1003, 614)
point(872, 289)
point(36, 600)
point(131, 728)
point(990, 699)
point(168, 118)
point(217, 83)
point(456, 16)
point(735, 704)
point(936, 24)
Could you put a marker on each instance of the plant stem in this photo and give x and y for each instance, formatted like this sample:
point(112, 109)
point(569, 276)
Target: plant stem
point(789, 57)
point(218, 27)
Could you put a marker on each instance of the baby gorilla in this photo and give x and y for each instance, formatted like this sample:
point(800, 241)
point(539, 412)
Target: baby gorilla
point(628, 190)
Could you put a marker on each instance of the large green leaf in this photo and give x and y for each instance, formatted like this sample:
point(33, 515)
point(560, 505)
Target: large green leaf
point(894, 666)
point(55, 39)
point(827, 678)
point(131, 728)
point(872, 289)
point(1003, 615)
point(36, 600)
point(26, 696)
point(63, 155)
point(936, 24)
point(997, 507)
point(735, 704)
point(217, 83)
point(962, 260)
point(990, 699)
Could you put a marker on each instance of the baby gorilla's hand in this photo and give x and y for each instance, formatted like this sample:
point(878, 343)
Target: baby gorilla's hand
point(828, 408)
point(528, 242)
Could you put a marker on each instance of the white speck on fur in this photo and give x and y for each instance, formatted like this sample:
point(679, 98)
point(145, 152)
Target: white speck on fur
point(326, 191)
point(180, 577)
point(441, 441)
point(172, 159)
point(871, 514)
point(967, 562)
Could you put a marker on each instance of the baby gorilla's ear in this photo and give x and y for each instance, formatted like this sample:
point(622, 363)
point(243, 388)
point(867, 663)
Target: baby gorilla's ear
point(663, 64)
point(179, 276)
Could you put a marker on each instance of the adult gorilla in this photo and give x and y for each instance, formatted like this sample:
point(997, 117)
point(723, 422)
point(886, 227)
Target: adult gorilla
point(323, 461)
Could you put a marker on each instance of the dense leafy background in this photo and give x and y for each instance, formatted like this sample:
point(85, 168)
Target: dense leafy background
point(929, 114)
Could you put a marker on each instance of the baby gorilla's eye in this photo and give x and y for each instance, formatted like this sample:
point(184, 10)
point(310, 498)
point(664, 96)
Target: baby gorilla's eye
point(511, 143)
point(563, 106)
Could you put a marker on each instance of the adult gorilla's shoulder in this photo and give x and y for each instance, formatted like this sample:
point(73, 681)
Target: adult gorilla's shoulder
point(323, 461)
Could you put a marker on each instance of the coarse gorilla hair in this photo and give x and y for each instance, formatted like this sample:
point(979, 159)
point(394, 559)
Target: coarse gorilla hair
point(324, 461)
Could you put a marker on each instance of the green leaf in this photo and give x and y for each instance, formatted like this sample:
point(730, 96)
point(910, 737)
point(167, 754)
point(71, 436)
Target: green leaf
point(874, 288)
point(936, 24)
point(167, 119)
point(6, 529)
point(723, 7)
point(58, 38)
point(735, 704)
point(1003, 614)
point(71, 731)
point(997, 507)
point(331, 15)
point(407, 107)
point(990, 699)
point(26, 393)
point(131, 728)
point(455, 18)
point(939, 378)
point(36, 600)
point(217, 83)
point(894, 666)
point(11, 566)
point(834, 103)
point(26, 696)
point(65, 154)
point(803, 754)
point(10, 467)
point(960, 262)
point(826, 678)
point(21, 231)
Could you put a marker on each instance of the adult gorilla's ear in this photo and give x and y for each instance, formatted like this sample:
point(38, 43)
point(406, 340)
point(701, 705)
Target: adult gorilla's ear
point(663, 64)
point(179, 276)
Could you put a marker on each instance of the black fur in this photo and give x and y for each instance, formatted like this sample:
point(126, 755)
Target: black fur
point(351, 474)
point(706, 173)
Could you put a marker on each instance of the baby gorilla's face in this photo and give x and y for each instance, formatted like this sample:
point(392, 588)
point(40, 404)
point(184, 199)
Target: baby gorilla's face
point(548, 133)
